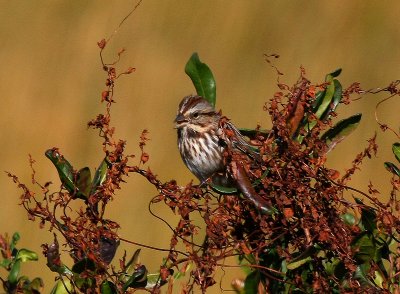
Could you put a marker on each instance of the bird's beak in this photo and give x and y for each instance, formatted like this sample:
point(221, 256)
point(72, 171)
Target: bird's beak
point(180, 119)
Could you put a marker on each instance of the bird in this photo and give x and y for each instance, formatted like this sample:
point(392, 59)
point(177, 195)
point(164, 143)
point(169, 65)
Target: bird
point(211, 147)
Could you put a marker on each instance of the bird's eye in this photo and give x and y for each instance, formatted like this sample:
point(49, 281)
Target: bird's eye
point(195, 115)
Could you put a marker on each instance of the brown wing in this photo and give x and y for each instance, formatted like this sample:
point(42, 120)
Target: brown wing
point(239, 142)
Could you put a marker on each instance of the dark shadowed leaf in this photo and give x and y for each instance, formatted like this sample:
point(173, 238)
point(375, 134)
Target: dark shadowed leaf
point(82, 265)
point(392, 168)
point(341, 130)
point(202, 78)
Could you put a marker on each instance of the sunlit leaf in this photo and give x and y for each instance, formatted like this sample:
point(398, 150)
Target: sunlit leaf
point(65, 172)
point(337, 96)
point(108, 287)
point(62, 287)
point(26, 255)
point(392, 168)
point(132, 262)
point(100, 175)
point(341, 130)
point(14, 272)
point(202, 78)
point(396, 151)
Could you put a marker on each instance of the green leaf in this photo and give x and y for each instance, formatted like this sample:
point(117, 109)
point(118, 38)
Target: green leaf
point(223, 190)
point(84, 264)
point(36, 286)
point(138, 279)
point(26, 255)
point(14, 272)
point(65, 172)
point(202, 78)
point(396, 150)
point(14, 240)
point(62, 287)
point(100, 175)
point(337, 96)
point(132, 262)
point(361, 274)
point(368, 219)
point(336, 73)
point(251, 282)
point(341, 130)
point(364, 247)
point(84, 181)
point(348, 219)
point(108, 287)
point(392, 168)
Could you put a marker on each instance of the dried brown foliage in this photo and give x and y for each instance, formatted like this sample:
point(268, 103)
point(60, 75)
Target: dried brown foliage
point(288, 250)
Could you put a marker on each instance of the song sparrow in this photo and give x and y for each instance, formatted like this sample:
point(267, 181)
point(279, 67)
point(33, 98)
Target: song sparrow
point(204, 137)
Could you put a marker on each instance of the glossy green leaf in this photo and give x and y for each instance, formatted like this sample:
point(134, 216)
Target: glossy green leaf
point(302, 258)
point(223, 190)
point(396, 151)
point(392, 168)
point(251, 282)
point(108, 287)
point(361, 274)
point(349, 219)
point(132, 262)
point(202, 78)
point(154, 280)
point(65, 172)
point(84, 181)
point(14, 272)
point(14, 240)
point(100, 175)
point(364, 247)
point(35, 286)
point(337, 96)
point(138, 279)
point(26, 255)
point(62, 287)
point(341, 130)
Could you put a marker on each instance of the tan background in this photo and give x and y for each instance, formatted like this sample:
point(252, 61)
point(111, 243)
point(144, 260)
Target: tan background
point(51, 80)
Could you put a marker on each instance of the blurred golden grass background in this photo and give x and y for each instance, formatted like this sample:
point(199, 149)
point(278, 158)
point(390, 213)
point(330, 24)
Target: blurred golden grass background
point(51, 81)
